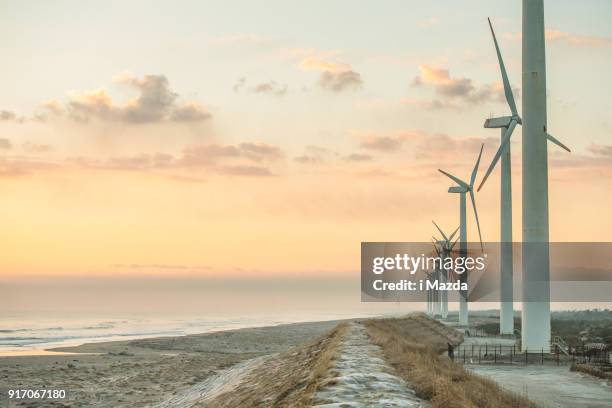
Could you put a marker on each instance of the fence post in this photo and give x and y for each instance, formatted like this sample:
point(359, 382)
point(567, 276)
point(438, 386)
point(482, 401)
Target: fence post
point(557, 356)
point(495, 355)
point(511, 352)
point(479, 354)
point(464, 355)
point(526, 358)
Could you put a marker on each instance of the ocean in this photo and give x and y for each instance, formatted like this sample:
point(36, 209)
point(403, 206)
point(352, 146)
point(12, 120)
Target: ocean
point(29, 335)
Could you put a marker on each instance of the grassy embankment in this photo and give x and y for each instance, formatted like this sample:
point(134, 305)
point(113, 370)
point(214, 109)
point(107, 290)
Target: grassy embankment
point(288, 379)
point(412, 345)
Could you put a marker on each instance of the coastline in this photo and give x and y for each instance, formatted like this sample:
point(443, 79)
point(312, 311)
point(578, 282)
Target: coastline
point(147, 371)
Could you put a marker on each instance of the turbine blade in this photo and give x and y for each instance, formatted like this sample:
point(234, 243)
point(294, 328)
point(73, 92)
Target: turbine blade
point(502, 67)
point(454, 243)
point(455, 179)
point(476, 215)
point(557, 142)
point(441, 232)
point(453, 234)
point(502, 147)
point(475, 171)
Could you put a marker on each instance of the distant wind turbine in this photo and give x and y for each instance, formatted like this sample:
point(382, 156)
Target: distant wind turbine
point(446, 247)
point(462, 188)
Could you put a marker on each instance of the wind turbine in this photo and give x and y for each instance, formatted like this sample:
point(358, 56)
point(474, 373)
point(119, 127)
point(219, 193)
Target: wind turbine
point(430, 308)
point(435, 296)
point(506, 314)
point(437, 274)
point(535, 323)
point(462, 188)
point(446, 246)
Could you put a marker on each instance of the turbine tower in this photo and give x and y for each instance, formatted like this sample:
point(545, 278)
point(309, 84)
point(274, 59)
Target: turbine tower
point(446, 246)
point(430, 307)
point(462, 188)
point(535, 322)
point(506, 313)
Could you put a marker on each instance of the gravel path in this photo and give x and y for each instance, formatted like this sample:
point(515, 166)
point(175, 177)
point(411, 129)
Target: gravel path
point(362, 378)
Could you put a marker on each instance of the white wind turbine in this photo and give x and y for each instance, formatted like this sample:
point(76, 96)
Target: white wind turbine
point(462, 188)
point(436, 274)
point(430, 308)
point(446, 246)
point(535, 187)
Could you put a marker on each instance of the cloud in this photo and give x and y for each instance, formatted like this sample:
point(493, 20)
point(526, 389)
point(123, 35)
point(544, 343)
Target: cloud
point(155, 102)
point(316, 63)
point(425, 146)
point(603, 151)
point(244, 170)
point(265, 88)
point(7, 115)
point(357, 157)
point(455, 92)
point(5, 144)
point(382, 143)
point(245, 159)
point(31, 147)
point(206, 155)
point(239, 84)
point(260, 151)
point(307, 159)
point(340, 81)
point(335, 76)
point(23, 166)
point(315, 155)
point(270, 88)
point(159, 266)
point(440, 146)
point(554, 35)
point(190, 112)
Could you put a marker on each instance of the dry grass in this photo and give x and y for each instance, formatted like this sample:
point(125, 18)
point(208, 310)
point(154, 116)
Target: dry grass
point(591, 370)
point(412, 345)
point(289, 379)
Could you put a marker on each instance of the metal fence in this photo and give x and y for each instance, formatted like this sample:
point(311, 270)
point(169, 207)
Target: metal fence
point(504, 354)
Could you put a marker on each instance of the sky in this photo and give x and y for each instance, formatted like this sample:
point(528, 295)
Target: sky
point(227, 138)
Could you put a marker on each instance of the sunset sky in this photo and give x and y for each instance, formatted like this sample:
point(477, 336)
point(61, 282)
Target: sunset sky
point(260, 138)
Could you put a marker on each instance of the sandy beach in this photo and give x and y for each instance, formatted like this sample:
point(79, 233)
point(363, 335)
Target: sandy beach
point(378, 362)
point(146, 372)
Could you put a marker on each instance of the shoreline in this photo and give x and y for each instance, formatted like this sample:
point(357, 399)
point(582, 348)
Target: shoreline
point(144, 372)
point(52, 345)
point(102, 346)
